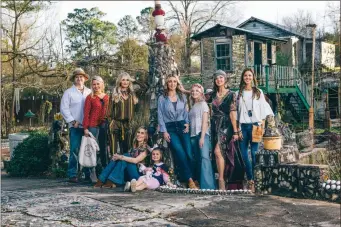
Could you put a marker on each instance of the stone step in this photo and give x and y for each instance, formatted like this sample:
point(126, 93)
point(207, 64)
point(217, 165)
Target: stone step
point(316, 156)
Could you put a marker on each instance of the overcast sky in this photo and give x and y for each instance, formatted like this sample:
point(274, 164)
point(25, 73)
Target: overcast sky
point(272, 11)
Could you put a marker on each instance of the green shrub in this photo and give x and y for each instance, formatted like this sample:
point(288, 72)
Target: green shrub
point(31, 157)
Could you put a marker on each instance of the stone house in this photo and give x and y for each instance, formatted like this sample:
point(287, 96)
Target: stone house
point(298, 48)
point(232, 49)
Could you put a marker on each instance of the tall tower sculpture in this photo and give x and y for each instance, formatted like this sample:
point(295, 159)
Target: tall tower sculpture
point(161, 63)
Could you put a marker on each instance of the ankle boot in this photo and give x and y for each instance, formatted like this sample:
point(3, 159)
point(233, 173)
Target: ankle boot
point(98, 184)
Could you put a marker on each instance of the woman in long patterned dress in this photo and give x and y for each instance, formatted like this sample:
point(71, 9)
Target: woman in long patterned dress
point(121, 111)
point(223, 122)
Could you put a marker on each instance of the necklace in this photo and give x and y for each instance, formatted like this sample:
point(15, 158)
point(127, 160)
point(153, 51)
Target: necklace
point(222, 94)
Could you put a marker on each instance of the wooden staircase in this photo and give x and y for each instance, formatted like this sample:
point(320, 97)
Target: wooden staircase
point(286, 81)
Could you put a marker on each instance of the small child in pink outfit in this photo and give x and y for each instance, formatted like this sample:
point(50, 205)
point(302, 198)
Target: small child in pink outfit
point(154, 176)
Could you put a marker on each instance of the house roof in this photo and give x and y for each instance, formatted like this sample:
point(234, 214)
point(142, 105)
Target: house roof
point(238, 31)
point(278, 26)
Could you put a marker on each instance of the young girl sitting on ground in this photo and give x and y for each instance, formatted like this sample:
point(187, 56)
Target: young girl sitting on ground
point(154, 176)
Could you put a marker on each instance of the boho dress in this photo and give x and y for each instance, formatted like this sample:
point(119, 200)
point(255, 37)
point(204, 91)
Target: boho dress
point(121, 112)
point(222, 133)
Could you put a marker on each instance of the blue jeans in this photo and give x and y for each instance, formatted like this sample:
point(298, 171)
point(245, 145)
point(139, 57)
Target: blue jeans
point(244, 147)
point(94, 131)
point(180, 145)
point(75, 143)
point(115, 171)
point(204, 165)
point(100, 133)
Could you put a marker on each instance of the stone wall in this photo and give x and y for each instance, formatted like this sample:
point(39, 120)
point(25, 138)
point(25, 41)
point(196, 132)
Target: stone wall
point(238, 59)
point(273, 53)
point(264, 54)
point(208, 65)
point(294, 180)
point(250, 55)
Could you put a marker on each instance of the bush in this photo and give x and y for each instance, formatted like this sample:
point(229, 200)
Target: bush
point(31, 157)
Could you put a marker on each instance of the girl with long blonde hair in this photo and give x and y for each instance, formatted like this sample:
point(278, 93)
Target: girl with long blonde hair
point(121, 111)
point(200, 140)
point(95, 108)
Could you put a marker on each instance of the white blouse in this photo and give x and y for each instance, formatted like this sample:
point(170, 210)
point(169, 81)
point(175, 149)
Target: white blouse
point(259, 107)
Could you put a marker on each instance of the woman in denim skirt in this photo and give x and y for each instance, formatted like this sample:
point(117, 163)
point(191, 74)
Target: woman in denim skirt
point(174, 124)
point(200, 140)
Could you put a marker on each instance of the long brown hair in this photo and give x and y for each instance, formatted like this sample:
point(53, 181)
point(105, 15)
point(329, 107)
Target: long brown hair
point(255, 90)
point(136, 143)
point(177, 90)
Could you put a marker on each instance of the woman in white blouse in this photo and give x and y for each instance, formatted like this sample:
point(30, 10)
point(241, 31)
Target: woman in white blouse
point(252, 110)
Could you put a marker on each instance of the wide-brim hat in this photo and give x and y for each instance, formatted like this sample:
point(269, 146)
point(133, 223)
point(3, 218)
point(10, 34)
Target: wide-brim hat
point(79, 71)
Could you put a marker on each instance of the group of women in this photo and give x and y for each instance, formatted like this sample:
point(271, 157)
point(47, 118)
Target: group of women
point(225, 128)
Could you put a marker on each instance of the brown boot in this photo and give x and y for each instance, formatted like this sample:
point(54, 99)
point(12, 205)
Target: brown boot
point(109, 184)
point(191, 184)
point(73, 180)
point(197, 184)
point(98, 184)
point(251, 185)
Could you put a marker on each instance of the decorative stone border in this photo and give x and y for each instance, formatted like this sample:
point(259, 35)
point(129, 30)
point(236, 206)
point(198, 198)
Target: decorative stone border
point(167, 189)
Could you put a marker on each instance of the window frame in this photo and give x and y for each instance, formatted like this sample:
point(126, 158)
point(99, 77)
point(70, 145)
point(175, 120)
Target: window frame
point(221, 41)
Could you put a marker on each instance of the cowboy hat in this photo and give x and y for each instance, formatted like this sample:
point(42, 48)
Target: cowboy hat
point(79, 71)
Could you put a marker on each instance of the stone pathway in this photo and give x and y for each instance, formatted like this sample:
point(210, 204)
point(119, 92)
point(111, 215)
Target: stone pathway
point(42, 202)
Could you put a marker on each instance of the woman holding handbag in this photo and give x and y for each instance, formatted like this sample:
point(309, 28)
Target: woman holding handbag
point(252, 111)
point(95, 109)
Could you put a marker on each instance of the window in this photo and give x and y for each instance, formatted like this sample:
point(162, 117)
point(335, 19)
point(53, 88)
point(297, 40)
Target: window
point(308, 52)
point(223, 55)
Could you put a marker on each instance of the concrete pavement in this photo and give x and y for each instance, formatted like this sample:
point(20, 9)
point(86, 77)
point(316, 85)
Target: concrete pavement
point(46, 202)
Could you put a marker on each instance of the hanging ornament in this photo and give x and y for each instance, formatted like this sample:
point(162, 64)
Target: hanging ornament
point(17, 100)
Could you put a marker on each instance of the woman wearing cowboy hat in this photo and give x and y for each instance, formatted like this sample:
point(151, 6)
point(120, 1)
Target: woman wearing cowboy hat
point(72, 109)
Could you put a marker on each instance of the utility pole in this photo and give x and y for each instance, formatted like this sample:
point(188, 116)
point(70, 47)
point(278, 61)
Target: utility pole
point(311, 109)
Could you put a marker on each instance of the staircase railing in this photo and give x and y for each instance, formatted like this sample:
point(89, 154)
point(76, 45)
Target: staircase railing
point(275, 76)
point(303, 91)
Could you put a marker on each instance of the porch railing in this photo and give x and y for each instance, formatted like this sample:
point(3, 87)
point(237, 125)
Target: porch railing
point(278, 77)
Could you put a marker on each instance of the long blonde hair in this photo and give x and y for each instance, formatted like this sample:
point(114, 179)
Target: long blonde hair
point(98, 78)
point(117, 93)
point(202, 98)
point(178, 90)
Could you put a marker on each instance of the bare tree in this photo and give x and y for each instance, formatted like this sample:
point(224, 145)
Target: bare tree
point(27, 52)
point(191, 17)
point(298, 21)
